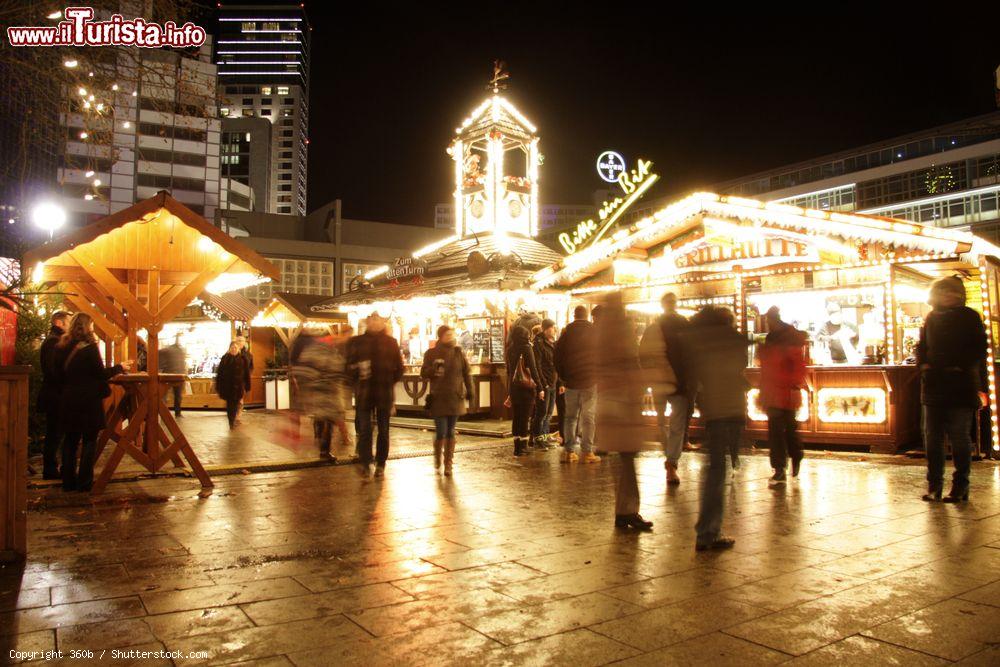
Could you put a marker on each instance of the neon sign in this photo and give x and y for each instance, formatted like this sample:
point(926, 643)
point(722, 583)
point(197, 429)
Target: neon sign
point(634, 184)
point(610, 165)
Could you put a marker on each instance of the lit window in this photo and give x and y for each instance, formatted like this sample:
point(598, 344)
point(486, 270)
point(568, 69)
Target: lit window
point(223, 112)
point(248, 25)
point(265, 90)
point(282, 90)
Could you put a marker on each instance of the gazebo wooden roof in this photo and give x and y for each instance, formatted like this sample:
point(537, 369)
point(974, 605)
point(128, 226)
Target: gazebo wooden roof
point(288, 311)
point(138, 269)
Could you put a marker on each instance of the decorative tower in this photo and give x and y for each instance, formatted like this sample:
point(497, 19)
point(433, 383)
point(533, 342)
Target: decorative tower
point(496, 170)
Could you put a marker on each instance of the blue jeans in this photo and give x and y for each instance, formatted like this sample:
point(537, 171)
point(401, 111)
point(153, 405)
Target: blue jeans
point(722, 435)
point(579, 423)
point(674, 435)
point(444, 427)
point(956, 424)
point(363, 418)
point(542, 419)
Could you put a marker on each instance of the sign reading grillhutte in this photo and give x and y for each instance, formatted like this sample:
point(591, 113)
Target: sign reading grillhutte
point(405, 267)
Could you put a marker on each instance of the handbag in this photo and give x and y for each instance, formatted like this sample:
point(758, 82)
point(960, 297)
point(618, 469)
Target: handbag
point(521, 376)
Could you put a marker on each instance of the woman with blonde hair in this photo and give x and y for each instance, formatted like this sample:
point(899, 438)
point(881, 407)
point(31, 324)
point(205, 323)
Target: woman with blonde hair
point(84, 379)
point(951, 356)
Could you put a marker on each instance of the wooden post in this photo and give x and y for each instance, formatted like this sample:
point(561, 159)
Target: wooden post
point(153, 368)
point(13, 462)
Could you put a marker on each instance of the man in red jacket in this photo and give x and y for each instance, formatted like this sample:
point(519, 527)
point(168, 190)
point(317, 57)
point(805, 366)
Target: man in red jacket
point(782, 375)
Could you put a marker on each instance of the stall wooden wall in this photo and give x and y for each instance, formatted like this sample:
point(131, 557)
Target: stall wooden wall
point(13, 462)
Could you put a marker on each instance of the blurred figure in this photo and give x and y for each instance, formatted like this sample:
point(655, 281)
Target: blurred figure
point(524, 386)
point(341, 386)
point(306, 382)
point(241, 341)
point(141, 354)
point(718, 356)
point(951, 356)
point(375, 365)
point(316, 377)
point(232, 380)
point(619, 406)
point(450, 389)
point(544, 348)
point(575, 356)
point(84, 381)
point(680, 396)
point(173, 359)
point(50, 393)
point(782, 375)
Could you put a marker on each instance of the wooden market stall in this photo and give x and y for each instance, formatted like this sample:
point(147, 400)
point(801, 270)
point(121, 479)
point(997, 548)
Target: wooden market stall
point(856, 284)
point(476, 280)
point(137, 270)
point(288, 313)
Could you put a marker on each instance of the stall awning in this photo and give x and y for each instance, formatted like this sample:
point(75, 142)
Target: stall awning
point(290, 309)
point(233, 305)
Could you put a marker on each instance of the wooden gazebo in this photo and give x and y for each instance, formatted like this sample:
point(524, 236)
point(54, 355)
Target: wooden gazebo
point(138, 269)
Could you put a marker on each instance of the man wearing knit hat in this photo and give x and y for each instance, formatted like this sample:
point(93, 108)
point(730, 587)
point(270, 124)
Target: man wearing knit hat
point(544, 346)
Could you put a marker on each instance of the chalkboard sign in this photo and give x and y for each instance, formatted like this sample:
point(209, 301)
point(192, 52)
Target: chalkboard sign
point(496, 341)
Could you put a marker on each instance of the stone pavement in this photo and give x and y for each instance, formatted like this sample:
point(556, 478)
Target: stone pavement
point(514, 562)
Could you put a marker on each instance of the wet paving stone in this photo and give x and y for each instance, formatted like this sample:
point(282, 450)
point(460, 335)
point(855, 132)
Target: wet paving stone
point(510, 562)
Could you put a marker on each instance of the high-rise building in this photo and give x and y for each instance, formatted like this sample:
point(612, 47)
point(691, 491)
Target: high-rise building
point(156, 130)
point(262, 52)
point(245, 164)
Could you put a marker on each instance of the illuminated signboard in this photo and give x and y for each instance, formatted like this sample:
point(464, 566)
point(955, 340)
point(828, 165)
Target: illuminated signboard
point(610, 165)
point(634, 184)
point(864, 405)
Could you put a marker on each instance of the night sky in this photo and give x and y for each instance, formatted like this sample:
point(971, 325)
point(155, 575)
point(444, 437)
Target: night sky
point(705, 101)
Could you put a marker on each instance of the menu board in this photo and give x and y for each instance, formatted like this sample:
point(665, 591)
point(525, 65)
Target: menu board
point(496, 341)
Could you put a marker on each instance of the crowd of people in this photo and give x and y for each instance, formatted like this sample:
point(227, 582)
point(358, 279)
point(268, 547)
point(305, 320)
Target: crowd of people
point(594, 377)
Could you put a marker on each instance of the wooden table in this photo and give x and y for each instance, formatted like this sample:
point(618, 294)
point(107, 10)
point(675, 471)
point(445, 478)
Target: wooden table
point(137, 410)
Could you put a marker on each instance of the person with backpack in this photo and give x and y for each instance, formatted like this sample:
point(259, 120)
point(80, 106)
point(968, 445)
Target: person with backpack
point(447, 369)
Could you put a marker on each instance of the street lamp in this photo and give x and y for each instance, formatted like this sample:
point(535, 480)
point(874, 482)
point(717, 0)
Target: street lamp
point(48, 216)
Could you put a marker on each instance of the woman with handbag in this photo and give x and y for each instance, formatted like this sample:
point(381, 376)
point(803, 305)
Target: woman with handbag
point(232, 381)
point(523, 387)
point(81, 406)
point(450, 378)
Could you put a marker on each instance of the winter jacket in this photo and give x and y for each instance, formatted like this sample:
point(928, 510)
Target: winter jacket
point(51, 389)
point(173, 359)
point(232, 377)
point(375, 365)
point(718, 359)
point(319, 380)
point(782, 369)
point(951, 356)
point(575, 354)
point(672, 327)
point(620, 424)
point(84, 387)
point(657, 372)
point(450, 377)
point(545, 351)
point(520, 348)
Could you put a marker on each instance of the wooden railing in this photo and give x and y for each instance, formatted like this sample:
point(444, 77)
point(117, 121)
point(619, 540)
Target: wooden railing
point(13, 462)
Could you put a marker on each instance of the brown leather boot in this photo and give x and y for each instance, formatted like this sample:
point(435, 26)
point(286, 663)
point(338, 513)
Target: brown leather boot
point(449, 455)
point(672, 477)
point(438, 446)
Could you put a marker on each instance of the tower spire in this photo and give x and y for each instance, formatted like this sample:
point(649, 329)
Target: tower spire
point(500, 76)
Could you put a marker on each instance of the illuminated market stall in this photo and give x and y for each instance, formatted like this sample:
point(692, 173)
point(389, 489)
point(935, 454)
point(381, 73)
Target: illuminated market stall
point(477, 280)
point(856, 284)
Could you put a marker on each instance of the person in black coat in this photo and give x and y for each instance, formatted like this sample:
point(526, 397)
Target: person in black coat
point(375, 364)
point(524, 385)
point(84, 381)
point(951, 356)
point(544, 348)
point(49, 394)
point(232, 380)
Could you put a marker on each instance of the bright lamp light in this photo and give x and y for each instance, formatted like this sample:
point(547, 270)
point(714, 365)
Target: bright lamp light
point(48, 216)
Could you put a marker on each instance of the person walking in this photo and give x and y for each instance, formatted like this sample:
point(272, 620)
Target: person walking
point(575, 361)
point(84, 381)
point(450, 378)
point(375, 364)
point(341, 386)
point(317, 369)
point(232, 381)
point(782, 376)
point(718, 358)
point(241, 342)
point(680, 396)
point(951, 356)
point(543, 347)
point(50, 392)
point(619, 407)
point(173, 359)
point(524, 386)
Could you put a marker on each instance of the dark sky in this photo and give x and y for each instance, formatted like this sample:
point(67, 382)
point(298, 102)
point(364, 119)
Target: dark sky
point(706, 101)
